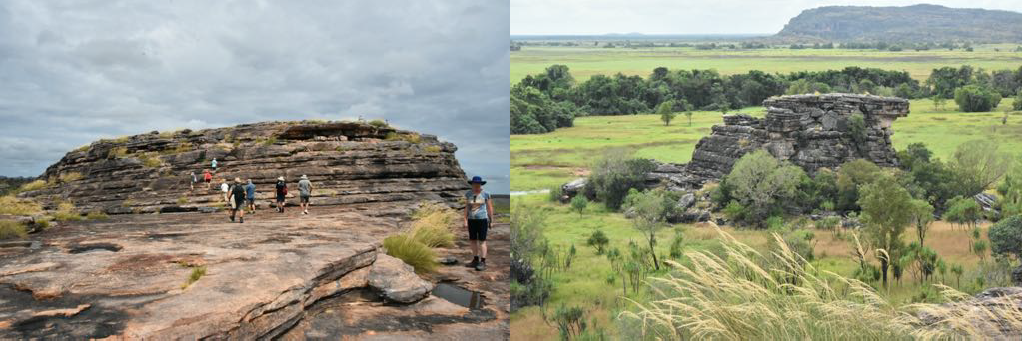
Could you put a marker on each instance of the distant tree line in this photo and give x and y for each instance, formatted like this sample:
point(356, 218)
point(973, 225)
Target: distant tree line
point(543, 102)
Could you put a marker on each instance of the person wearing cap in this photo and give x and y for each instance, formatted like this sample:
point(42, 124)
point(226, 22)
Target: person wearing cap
point(237, 200)
point(478, 215)
point(305, 192)
point(281, 193)
point(250, 195)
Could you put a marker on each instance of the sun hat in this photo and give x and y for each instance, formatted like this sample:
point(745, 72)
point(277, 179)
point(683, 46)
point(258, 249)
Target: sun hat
point(281, 178)
point(305, 177)
point(477, 180)
point(237, 180)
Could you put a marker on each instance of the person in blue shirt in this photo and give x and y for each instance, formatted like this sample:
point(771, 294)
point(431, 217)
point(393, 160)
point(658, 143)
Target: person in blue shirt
point(250, 195)
point(478, 215)
point(214, 165)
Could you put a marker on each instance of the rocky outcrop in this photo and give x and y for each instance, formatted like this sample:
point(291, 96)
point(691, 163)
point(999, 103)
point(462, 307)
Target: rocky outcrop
point(396, 281)
point(348, 162)
point(812, 131)
point(195, 276)
point(993, 314)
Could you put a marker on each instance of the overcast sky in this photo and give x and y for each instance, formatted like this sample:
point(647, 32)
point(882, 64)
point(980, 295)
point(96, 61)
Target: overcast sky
point(75, 71)
point(687, 16)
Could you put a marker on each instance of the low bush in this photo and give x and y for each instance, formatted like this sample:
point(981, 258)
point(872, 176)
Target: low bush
point(554, 194)
point(12, 229)
point(97, 215)
point(70, 176)
point(14, 206)
point(66, 212)
point(379, 123)
point(32, 186)
point(416, 254)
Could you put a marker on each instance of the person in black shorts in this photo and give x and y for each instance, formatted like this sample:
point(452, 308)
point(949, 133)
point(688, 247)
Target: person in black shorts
point(281, 189)
point(478, 215)
point(237, 200)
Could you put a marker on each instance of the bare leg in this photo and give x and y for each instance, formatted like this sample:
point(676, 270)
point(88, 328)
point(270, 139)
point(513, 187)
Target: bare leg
point(475, 247)
point(482, 249)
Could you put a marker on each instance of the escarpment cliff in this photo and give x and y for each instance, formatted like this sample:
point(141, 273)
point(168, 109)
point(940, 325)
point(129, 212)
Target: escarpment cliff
point(812, 131)
point(347, 162)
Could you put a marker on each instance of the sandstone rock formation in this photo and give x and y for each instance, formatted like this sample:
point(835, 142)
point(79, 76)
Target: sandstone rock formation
point(348, 162)
point(812, 131)
point(136, 277)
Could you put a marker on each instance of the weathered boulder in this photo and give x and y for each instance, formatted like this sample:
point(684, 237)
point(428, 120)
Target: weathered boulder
point(986, 201)
point(572, 188)
point(993, 312)
point(348, 162)
point(812, 131)
point(397, 281)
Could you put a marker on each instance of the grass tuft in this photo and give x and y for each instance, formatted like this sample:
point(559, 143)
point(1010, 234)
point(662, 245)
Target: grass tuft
point(12, 229)
point(66, 211)
point(432, 225)
point(14, 206)
point(412, 252)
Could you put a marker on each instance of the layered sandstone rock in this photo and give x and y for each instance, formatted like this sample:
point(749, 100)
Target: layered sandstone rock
point(348, 162)
point(812, 131)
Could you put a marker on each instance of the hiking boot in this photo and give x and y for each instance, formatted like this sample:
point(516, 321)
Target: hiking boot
point(241, 220)
point(473, 263)
point(232, 219)
point(481, 266)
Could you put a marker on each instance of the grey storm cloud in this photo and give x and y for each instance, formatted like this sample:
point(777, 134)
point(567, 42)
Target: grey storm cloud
point(72, 72)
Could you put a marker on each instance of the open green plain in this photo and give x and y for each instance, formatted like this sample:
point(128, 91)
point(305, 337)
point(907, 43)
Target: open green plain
point(584, 62)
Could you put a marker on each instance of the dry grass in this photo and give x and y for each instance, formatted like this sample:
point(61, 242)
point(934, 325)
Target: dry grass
point(414, 253)
point(747, 295)
point(12, 229)
point(432, 225)
point(32, 186)
point(14, 206)
point(66, 211)
point(70, 176)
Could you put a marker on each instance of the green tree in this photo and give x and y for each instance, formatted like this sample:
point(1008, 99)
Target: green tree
point(978, 164)
point(579, 203)
point(886, 211)
point(922, 216)
point(760, 182)
point(666, 112)
point(1011, 190)
point(650, 210)
point(975, 98)
point(978, 245)
point(1017, 103)
point(1006, 237)
point(850, 177)
point(613, 175)
point(598, 240)
point(939, 102)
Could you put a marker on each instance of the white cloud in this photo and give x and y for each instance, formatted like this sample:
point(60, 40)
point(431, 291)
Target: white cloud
point(72, 71)
point(687, 16)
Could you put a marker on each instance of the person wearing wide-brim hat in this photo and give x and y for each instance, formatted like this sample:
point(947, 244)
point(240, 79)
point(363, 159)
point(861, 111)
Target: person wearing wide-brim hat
point(281, 193)
point(478, 215)
point(304, 193)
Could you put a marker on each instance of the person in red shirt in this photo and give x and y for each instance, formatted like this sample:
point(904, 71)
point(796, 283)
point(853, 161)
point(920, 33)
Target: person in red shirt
point(206, 175)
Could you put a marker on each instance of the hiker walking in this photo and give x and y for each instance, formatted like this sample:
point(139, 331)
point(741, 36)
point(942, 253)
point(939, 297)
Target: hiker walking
point(281, 188)
point(478, 215)
point(250, 195)
point(305, 192)
point(206, 175)
point(236, 200)
point(214, 165)
point(225, 193)
point(195, 179)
